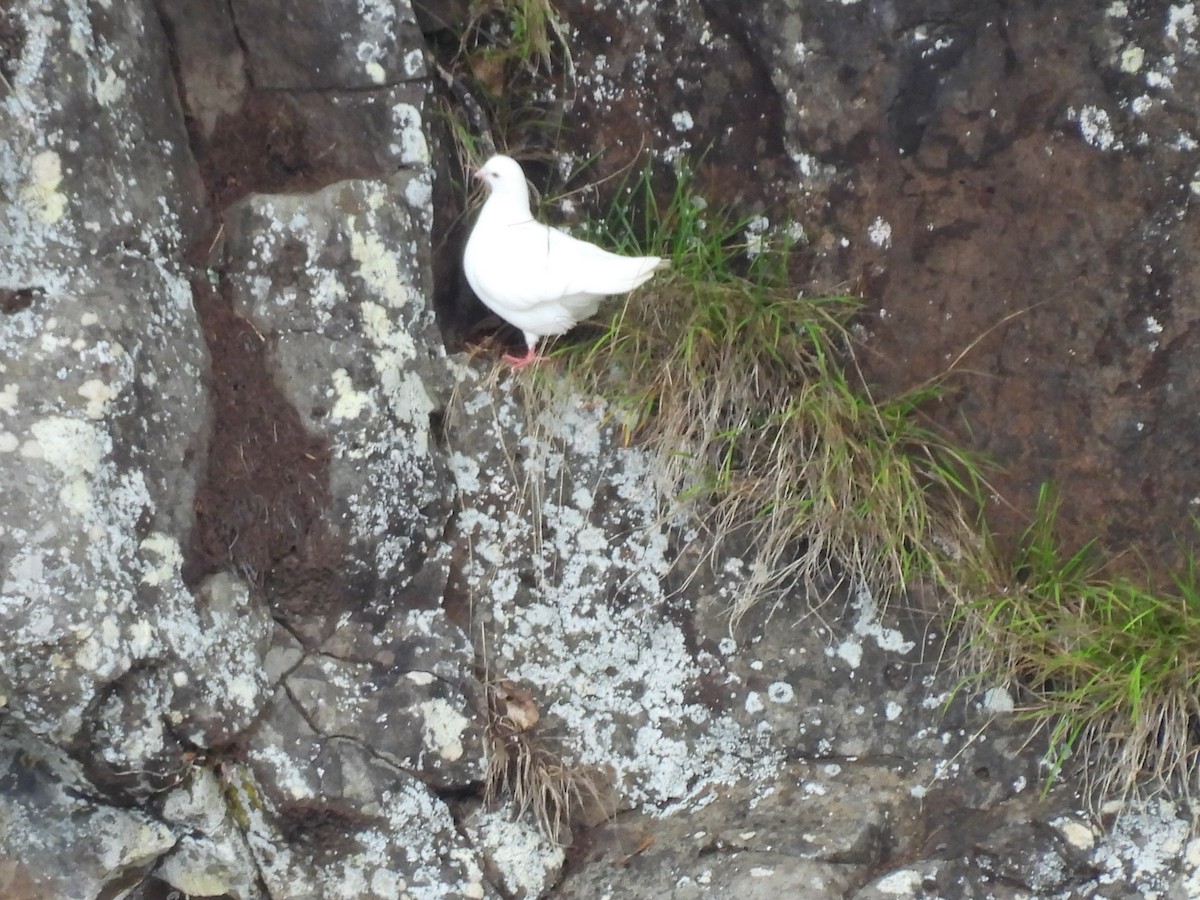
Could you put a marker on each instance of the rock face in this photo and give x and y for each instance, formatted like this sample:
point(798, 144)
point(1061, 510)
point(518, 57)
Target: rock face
point(1012, 191)
point(104, 410)
point(281, 582)
point(1039, 173)
point(377, 44)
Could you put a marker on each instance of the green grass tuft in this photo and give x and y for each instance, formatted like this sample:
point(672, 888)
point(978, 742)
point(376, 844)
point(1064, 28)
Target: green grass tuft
point(512, 48)
point(1110, 666)
point(748, 393)
point(750, 398)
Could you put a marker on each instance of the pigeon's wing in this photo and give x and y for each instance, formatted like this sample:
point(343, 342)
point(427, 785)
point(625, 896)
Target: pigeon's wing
point(519, 267)
point(593, 270)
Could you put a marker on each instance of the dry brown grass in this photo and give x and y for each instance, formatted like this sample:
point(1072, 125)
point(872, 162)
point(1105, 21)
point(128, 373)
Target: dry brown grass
point(749, 397)
point(528, 768)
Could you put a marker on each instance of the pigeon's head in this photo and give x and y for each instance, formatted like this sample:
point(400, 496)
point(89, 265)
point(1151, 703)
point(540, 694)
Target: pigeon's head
point(503, 176)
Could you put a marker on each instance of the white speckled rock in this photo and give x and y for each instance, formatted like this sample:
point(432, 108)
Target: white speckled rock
point(55, 841)
point(102, 406)
point(219, 741)
point(337, 283)
point(317, 45)
point(337, 821)
point(212, 857)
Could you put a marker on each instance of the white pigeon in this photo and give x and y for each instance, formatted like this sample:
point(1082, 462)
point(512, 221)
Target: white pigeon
point(538, 278)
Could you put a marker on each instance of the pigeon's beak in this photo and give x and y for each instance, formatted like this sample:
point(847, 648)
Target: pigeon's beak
point(477, 174)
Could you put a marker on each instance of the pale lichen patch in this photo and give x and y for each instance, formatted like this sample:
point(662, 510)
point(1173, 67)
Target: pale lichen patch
point(76, 449)
point(901, 883)
point(169, 558)
point(869, 624)
point(414, 63)
point(1182, 22)
point(998, 701)
point(781, 692)
point(1132, 58)
point(412, 146)
point(527, 862)
point(850, 651)
point(108, 86)
point(41, 195)
point(1095, 127)
point(8, 397)
point(380, 269)
point(443, 730)
point(1075, 833)
point(98, 396)
point(419, 191)
point(349, 402)
point(375, 72)
point(880, 233)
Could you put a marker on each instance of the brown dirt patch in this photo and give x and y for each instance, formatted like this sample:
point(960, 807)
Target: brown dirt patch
point(262, 505)
point(263, 148)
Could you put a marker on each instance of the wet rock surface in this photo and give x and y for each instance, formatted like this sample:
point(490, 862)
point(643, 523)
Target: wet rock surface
point(1012, 191)
point(268, 557)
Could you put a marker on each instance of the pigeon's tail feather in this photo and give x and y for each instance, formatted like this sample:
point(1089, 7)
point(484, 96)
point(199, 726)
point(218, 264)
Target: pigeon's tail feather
point(620, 274)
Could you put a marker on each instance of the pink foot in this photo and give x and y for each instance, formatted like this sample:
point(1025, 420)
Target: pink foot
point(520, 362)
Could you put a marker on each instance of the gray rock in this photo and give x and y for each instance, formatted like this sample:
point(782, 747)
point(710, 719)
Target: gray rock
point(1042, 164)
point(315, 46)
point(224, 680)
point(94, 160)
point(336, 282)
point(349, 747)
point(413, 701)
point(254, 137)
point(563, 557)
point(522, 861)
point(212, 857)
point(103, 414)
point(59, 842)
point(333, 819)
point(314, 726)
point(1018, 157)
point(211, 64)
point(411, 718)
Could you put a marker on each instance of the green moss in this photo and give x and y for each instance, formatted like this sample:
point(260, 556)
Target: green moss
point(241, 795)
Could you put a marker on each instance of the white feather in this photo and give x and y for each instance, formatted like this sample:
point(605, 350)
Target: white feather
point(537, 278)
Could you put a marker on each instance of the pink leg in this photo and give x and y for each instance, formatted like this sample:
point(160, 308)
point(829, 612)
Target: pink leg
point(520, 362)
